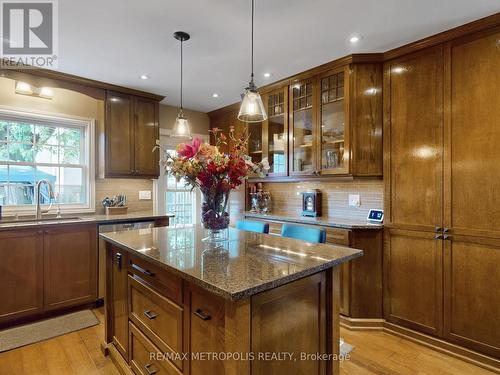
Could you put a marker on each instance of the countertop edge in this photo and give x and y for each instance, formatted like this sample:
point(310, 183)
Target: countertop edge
point(241, 294)
point(92, 219)
point(303, 220)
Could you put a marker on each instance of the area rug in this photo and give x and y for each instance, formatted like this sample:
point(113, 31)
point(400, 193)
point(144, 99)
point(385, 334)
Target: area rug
point(30, 333)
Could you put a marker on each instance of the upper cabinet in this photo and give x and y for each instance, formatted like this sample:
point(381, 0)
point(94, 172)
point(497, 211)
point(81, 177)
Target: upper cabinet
point(275, 132)
point(303, 129)
point(334, 119)
point(323, 122)
point(131, 131)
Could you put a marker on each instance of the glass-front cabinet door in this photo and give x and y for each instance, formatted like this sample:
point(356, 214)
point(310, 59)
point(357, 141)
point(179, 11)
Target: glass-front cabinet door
point(255, 141)
point(303, 138)
point(334, 116)
point(275, 132)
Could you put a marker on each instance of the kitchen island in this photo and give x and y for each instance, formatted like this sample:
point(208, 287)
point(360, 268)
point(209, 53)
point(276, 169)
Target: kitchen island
point(255, 304)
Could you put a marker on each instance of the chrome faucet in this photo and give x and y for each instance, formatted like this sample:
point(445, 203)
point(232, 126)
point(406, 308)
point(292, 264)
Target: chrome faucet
point(39, 210)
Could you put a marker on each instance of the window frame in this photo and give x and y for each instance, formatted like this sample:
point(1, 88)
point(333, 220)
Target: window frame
point(58, 120)
point(160, 184)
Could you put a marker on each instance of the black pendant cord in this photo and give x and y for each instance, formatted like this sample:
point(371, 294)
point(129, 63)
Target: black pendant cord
point(181, 73)
point(252, 38)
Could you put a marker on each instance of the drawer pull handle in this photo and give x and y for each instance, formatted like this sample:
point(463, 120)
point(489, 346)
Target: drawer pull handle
point(438, 229)
point(200, 314)
point(150, 369)
point(438, 236)
point(150, 315)
point(142, 270)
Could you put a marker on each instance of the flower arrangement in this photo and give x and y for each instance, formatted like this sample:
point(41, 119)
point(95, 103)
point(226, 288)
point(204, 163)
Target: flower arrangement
point(204, 166)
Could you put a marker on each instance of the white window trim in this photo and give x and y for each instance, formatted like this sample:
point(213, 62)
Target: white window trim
point(159, 191)
point(57, 119)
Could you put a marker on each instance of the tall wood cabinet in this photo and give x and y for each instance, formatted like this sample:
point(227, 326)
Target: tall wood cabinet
point(442, 255)
point(131, 131)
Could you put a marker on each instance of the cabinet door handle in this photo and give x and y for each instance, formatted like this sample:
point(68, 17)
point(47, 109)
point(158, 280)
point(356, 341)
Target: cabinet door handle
point(438, 237)
point(438, 229)
point(142, 270)
point(446, 237)
point(150, 314)
point(151, 370)
point(118, 260)
point(203, 316)
point(446, 230)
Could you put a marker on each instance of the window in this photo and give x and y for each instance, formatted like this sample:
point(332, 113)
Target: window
point(35, 147)
point(179, 199)
point(175, 197)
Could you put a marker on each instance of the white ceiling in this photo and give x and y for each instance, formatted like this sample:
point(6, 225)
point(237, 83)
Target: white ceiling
point(118, 40)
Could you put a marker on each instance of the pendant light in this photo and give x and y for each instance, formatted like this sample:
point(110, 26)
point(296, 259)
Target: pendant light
point(252, 108)
point(181, 126)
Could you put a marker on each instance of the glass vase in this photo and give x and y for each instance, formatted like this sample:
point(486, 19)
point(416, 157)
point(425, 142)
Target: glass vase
point(215, 215)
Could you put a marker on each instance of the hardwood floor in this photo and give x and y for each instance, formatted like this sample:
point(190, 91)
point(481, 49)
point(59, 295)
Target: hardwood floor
point(383, 353)
point(375, 353)
point(72, 354)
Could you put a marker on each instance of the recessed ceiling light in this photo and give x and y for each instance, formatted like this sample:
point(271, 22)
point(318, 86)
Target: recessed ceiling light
point(355, 38)
point(215, 95)
point(267, 75)
point(144, 76)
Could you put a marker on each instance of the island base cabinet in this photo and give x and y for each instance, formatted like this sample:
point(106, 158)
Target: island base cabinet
point(21, 274)
point(145, 357)
point(117, 309)
point(472, 293)
point(207, 330)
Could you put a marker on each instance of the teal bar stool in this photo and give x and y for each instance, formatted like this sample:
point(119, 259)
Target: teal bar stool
point(308, 234)
point(253, 226)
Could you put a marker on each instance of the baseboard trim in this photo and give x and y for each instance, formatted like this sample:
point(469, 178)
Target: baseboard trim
point(356, 324)
point(442, 346)
point(118, 361)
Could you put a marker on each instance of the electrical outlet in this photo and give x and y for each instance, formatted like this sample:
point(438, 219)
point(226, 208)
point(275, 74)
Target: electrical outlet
point(354, 200)
point(145, 195)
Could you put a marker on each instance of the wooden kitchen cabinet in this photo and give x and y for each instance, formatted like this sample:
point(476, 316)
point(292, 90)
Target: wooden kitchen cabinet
point(303, 130)
point(49, 269)
point(206, 319)
point(413, 101)
point(70, 266)
point(275, 132)
point(131, 131)
point(471, 292)
point(21, 274)
point(117, 308)
point(146, 132)
point(413, 273)
point(334, 122)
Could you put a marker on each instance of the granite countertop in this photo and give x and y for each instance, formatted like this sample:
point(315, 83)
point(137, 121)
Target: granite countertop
point(249, 263)
point(82, 218)
point(332, 222)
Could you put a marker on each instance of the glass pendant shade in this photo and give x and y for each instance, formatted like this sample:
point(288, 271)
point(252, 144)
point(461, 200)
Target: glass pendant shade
point(252, 109)
point(181, 126)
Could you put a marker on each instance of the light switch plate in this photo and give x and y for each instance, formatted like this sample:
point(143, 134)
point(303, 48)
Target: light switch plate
point(145, 195)
point(354, 200)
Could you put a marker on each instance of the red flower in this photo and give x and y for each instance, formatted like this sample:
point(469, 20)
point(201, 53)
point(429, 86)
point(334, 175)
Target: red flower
point(189, 151)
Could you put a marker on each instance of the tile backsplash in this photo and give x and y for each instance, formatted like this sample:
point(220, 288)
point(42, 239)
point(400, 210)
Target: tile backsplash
point(129, 187)
point(287, 199)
